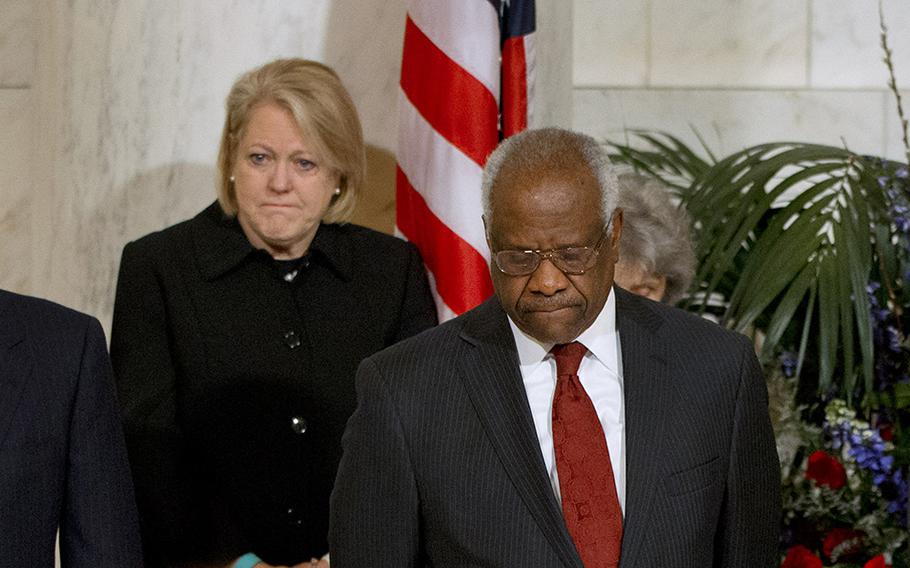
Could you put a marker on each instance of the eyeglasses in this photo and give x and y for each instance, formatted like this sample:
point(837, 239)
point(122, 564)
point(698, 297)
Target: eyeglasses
point(571, 260)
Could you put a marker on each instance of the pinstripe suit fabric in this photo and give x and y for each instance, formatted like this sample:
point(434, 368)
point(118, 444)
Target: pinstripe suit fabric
point(62, 455)
point(441, 465)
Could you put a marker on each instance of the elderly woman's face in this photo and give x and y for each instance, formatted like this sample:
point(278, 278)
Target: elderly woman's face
point(634, 278)
point(281, 188)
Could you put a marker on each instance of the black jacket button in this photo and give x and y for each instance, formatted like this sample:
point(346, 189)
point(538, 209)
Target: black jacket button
point(291, 339)
point(298, 424)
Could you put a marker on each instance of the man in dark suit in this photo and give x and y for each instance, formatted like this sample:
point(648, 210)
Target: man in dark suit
point(564, 422)
point(63, 461)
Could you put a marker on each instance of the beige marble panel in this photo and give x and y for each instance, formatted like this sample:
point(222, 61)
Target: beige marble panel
point(15, 189)
point(732, 120)
point(17, 43)
point(363, 42)
point(846, 49)
point(722, 43)
point(552, 89)
point(611, 42)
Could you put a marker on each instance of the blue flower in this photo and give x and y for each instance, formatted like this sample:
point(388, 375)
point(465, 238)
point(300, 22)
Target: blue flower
point(894, 338)
point(788, 361)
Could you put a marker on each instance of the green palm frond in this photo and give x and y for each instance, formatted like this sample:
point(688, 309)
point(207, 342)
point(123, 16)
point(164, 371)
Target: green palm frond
point(666, 158)
point(788, 232)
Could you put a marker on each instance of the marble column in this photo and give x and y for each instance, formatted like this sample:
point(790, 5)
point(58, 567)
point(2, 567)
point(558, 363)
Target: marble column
point(17, 70)
point(553, 98)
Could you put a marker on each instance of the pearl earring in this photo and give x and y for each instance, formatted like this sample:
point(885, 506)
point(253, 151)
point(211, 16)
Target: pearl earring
point(337, 191)
point(232, 179)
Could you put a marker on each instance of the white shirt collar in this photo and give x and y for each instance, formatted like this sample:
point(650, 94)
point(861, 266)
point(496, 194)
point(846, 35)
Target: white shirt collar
point(599, 338)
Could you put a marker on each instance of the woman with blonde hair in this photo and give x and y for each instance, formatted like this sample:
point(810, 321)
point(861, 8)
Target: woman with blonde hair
point(237, 333)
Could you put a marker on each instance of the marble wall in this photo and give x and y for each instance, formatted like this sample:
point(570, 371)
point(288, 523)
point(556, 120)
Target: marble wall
point(741, 72)
point(17, 73)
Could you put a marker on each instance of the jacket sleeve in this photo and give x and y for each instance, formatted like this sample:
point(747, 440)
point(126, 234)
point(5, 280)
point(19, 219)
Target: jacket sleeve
point(98, 526)
point(374, 505)
point(169, 493)
point(418, 310)
point(749, 530)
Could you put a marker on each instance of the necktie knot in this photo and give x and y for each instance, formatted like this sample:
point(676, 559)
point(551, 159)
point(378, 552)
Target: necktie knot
point(568, 357)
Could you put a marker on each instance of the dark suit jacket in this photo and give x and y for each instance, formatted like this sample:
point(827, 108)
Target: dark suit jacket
point(236, 384)
point(62, 456)
point(441, 464)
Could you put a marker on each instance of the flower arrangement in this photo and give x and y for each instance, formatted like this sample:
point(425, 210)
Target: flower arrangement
point(845, 496)
point(845, 477)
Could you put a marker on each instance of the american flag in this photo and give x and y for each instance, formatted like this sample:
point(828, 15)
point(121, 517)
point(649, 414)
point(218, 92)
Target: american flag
point(466, 77)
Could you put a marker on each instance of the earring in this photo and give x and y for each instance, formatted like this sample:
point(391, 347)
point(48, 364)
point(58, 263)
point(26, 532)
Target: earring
point(232, 179)
point(337, 191)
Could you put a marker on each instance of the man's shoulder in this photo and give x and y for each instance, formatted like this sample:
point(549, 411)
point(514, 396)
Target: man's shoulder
point(437, 339)
point(57, 336)
point(36, 313)
point(442, 344)
point(675, 324)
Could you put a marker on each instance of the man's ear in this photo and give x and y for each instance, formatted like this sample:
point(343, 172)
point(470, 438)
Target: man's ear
point(486, 232)
point(617, 229)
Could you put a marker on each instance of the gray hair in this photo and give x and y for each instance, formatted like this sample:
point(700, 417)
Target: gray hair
point(531, 148)
point(655, 234)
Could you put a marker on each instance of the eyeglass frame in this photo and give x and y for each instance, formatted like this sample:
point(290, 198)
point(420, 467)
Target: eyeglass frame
point(542, 255)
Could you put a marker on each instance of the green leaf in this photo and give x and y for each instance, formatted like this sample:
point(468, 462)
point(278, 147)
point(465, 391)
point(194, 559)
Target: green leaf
point(828, 322)
point(807, 325)
point(902, 395)
point(787, 307)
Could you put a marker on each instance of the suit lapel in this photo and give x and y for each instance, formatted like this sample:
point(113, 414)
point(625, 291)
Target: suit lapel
point(493, 380)
point(646, 383)
point(15, 363)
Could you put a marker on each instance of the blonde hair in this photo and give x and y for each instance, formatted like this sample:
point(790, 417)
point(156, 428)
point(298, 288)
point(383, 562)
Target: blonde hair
point(325, 115)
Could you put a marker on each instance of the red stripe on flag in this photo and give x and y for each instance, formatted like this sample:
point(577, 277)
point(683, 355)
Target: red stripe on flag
point(461, 273)
point(456, 104)
point(514, 87)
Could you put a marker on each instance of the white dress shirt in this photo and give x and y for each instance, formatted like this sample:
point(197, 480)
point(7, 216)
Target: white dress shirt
point(601, 376)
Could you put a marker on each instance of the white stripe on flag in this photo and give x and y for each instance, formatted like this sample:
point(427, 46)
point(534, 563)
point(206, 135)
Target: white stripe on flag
point(465, 30)
point(448, 180)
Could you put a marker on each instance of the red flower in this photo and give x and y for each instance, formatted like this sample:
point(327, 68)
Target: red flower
point(824, 469)
point(801, 557)
point(887, 432)
point(841, 544)
point(877, 562)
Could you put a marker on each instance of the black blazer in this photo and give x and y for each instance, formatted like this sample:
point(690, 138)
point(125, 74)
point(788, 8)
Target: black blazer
point(62, 457)
point(236, 384)
point(442, 467)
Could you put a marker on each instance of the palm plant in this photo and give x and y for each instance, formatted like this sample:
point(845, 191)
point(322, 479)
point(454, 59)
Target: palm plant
point(791, 234)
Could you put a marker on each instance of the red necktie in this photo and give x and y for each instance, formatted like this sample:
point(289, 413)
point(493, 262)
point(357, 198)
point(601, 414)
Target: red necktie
point(589, 502)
